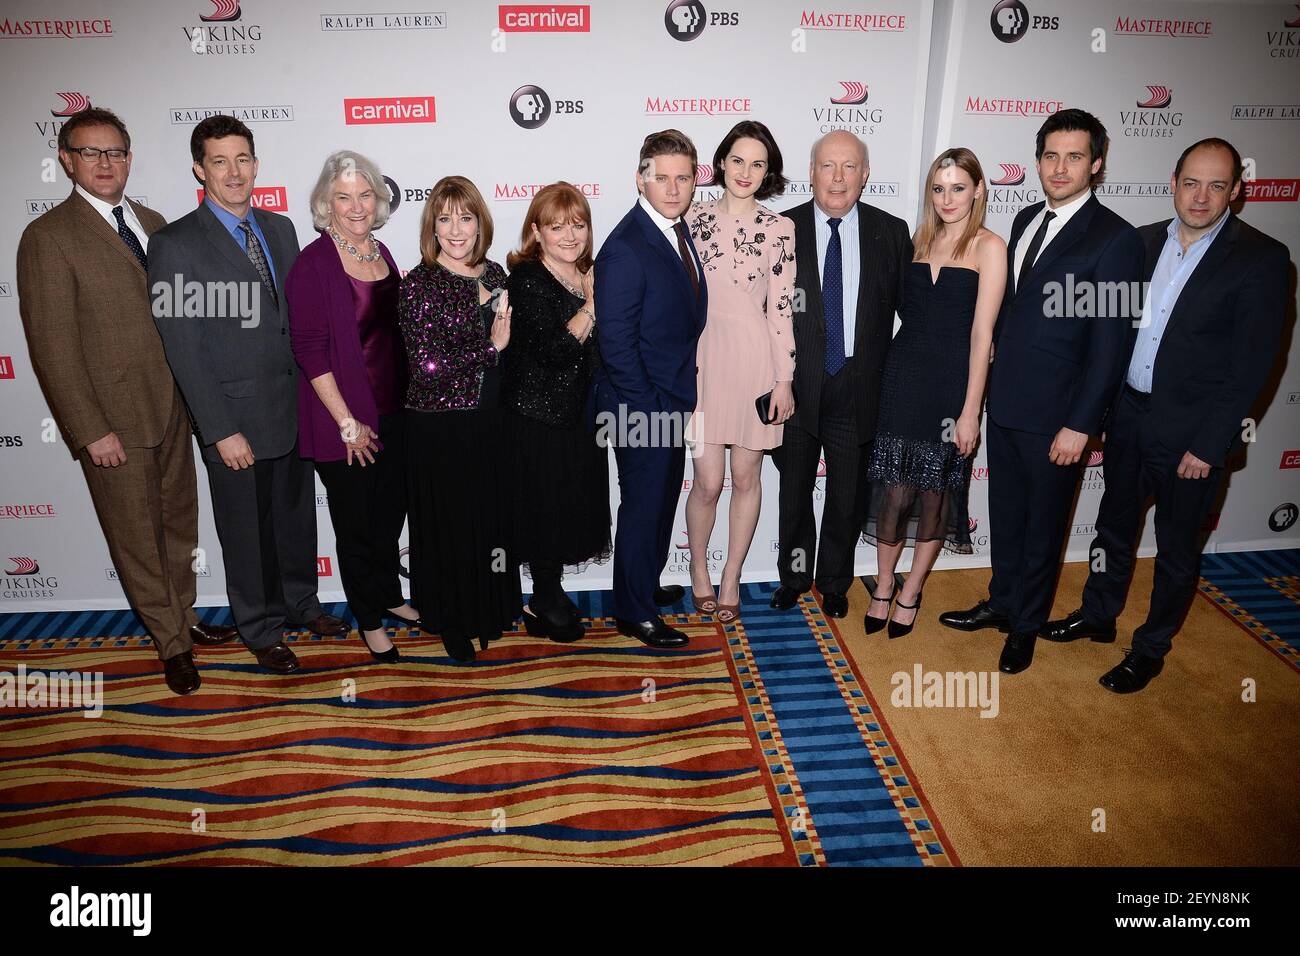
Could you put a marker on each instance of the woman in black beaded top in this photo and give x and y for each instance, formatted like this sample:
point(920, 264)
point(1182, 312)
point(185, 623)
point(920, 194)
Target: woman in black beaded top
point(560, 489)
point(455, 319)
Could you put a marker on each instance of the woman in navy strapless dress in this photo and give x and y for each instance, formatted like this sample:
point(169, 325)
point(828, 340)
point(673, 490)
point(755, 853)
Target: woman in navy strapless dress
point(932, 393)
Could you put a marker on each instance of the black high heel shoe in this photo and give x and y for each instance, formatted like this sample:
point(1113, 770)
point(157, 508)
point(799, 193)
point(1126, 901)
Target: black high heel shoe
point(558, 626)
point(873, 625)
point(460, 648)
point(384, 657)
point(902, 630)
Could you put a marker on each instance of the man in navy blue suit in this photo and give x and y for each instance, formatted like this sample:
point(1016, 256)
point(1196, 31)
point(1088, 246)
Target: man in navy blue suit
point(1072, 296)
point(652, 301)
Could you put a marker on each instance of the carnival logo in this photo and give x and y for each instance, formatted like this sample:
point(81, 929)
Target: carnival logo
point(6, 366)
point(1013, 174)
point(1009, 20)
point(1159, 97)
point(544, 18)
point(389, 109)
point(1290, 459)
point(222, 10)
point(72, 103)
point(270, 198)
point(1283, 517)
point(530, 107)
point(1271, 190)
point(855, 93)
point(23, 566)
point(324, 567)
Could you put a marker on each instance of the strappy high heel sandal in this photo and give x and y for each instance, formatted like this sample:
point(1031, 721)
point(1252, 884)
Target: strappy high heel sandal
point(873, 625)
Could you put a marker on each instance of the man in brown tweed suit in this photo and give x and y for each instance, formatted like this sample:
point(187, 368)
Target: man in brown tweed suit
point(86, 310)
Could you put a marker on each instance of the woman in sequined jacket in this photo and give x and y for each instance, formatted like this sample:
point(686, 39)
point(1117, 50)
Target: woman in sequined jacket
point(560, 489)
point(455, 319)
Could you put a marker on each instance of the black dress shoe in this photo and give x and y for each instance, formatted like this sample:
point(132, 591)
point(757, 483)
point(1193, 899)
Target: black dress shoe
point(181, 674)
point(1017, 653)
point(835, 605)
point(1072, 627)
point(557, 625)
point(871, 624)
point(980, 616)
point(652, 633)
point(784, 598)
point(210, 635)
point(277, 658)
point(1132, 673)
point(326, 625)
point(669, 595)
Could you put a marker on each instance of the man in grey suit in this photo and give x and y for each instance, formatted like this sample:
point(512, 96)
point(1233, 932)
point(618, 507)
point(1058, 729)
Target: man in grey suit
point(216, 277)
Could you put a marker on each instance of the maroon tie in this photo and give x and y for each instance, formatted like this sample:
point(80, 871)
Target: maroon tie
point(688, 260)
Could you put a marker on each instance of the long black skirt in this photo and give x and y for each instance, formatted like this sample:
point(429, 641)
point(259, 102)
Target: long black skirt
point(464, 574)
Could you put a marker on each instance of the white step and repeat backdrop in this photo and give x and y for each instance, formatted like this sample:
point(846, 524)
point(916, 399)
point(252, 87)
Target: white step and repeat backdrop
point(428, 89)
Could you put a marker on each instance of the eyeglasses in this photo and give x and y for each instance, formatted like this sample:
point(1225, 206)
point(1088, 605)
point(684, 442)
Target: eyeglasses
point(91, 154)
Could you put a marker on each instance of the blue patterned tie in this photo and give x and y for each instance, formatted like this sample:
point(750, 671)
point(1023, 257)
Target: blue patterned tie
point(833, 300)
point(255, 253)
point(129, 237)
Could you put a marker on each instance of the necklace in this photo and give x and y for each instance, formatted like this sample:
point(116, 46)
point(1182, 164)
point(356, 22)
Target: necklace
point(352, 250)
point(560, 279)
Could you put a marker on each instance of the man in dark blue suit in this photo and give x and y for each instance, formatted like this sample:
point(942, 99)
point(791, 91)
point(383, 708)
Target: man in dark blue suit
point(1211, 325)
point(652, 301)
point(1072, 296)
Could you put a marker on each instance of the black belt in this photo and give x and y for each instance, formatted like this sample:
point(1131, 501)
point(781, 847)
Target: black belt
point(1142, 398)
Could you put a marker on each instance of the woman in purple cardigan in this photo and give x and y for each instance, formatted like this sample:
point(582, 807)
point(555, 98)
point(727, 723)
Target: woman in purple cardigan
point(342, 294)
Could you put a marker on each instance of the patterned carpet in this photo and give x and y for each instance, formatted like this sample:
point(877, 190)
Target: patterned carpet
point(757, 745)
point(1260, 591)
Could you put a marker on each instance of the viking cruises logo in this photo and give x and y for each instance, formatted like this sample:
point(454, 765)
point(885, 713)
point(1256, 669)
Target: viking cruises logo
point(23, 580)
point(849, 111)
point(72, 103)
point(1008, 193)
point(1152, 119)
point(220, 32)
point(1093, 475)
point(48, 129)
point(1284, 44)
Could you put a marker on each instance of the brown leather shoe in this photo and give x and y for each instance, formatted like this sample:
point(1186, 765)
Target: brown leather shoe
point(277, 658)
point(210, 635)
point(182, 676)
point(327, 625)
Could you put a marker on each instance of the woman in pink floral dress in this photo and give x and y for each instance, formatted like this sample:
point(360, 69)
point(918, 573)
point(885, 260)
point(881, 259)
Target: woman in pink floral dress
point(746, 351)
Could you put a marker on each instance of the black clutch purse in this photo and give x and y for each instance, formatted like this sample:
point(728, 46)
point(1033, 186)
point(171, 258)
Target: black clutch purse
point(764, 402)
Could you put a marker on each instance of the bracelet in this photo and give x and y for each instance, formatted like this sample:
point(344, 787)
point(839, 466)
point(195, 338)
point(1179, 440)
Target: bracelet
point(591, 315)
point(349, 427)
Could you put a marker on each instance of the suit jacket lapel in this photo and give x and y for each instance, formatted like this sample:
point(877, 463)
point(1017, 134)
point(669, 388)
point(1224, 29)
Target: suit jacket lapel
point(1071, 233)
point(808, 274)
point(668, 253)
point(226, 244)
point(100, 228)
point(1155, 244)
point(869, 242)
point(1214, 257)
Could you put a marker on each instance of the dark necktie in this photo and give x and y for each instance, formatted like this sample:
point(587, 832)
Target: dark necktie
point(833, 300)
point(129, 237)
point(1035, 244)
point(255, 253)
point(688, 260)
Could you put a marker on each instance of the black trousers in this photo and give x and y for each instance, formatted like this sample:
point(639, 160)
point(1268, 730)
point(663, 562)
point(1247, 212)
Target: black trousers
point(368, 508)
point(1029, 515)
point(266, 521)
point(1138, 467)
point(797, 459)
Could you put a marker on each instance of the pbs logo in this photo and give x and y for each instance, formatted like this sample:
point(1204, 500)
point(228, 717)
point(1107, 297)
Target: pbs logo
point(686, 19)
point(530, 107)
point(1011, 20)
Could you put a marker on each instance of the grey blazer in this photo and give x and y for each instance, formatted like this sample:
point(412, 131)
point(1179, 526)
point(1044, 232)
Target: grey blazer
point(236, 376)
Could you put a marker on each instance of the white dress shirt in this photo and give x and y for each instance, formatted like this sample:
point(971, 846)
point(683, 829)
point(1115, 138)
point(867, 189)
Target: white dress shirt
point(106, 210)
point(1063, 215)
point(850, 265)
point(669, 228)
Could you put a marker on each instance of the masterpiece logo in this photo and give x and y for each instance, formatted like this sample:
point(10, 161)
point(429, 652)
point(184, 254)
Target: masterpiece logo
point(853, 22)
point(23, 581)
point(192, 115)
point(1010, 20)
point(346, 23)
point(544, 18)
point(219, 33)
point(1271, 190)
point(1152, 118)
point(389, 109)
point(48, 29)
point(1153, 27)
point(1008, 193)
point(686, 19)
point(704, 106)
point(70, 105)
point(518, 192)
point(1000, 106)
point(1284, 44)
point(19, 512)
point(849, 111)
point(270, 198)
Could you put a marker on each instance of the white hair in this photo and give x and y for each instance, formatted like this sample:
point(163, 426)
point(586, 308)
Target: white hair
point(346, 164)
point(866, 154)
